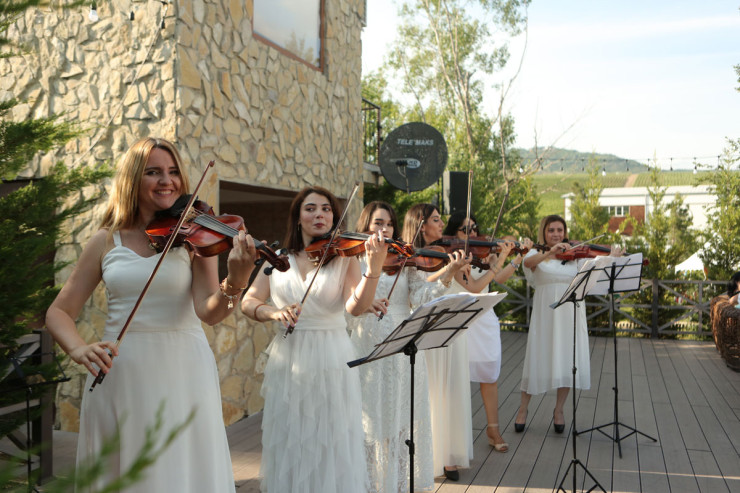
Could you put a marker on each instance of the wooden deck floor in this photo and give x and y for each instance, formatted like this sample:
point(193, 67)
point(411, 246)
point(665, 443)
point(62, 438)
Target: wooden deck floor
point(680, 393)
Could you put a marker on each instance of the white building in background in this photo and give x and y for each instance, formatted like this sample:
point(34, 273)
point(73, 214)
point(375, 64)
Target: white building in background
point(636, 201)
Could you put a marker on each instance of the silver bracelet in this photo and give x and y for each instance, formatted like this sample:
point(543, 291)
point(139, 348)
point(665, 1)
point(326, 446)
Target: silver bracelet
point(515, 265)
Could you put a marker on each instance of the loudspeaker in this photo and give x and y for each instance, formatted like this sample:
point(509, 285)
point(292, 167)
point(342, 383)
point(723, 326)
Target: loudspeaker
point(455, 191)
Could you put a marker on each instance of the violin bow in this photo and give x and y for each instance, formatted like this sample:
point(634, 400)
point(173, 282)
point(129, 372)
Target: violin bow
point(586, 241)
point(467, 217)
point(325, 254)
point(167, 247)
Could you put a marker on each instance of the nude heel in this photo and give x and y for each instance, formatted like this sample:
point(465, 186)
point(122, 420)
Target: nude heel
point(498, 447)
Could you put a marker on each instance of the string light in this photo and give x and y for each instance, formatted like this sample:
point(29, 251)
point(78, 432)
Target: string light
point(93, 15)
point(603, 171)
point(671, 164)
point(521, 170)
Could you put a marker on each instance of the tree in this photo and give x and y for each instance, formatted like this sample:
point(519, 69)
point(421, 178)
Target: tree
point(589, 218)
point(667, 237)
point(442, 57)
point(31, 223)
point(721, 252)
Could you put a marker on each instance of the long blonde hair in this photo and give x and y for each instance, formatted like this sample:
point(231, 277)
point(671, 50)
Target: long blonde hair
point(123, 204)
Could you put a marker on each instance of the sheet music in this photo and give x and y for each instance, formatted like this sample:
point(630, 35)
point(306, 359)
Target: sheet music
point(628, 274)
point(441, 321)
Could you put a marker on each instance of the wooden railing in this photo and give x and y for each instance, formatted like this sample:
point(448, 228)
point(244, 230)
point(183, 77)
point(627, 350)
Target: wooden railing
point(662, 308)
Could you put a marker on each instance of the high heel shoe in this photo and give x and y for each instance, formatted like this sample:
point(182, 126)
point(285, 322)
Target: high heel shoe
point(559, 428)
point(452, 474)
point(498, 447)
point(519, 427)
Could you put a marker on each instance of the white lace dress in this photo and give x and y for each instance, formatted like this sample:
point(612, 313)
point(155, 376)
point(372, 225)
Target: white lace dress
point(312, 438)
point(164, 360)
point(449, 396)
point(386, 390)
point(548, 361)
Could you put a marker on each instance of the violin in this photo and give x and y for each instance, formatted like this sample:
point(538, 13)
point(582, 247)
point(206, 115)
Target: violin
point(480, 247)
point(206, 234)
point(580, 250)
point(347, 244)
point(425, 259)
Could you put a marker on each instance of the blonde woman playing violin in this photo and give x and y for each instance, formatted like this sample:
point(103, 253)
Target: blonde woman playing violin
point(548, 362)
point(165, 358)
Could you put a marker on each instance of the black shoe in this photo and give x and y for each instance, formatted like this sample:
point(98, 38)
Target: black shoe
point(452, 475)
point(519, 427)
point(558, 428)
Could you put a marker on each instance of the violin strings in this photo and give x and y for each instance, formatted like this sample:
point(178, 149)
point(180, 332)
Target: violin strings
point(219, 227)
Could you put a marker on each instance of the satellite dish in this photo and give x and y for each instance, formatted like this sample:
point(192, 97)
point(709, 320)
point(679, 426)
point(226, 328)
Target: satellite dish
point(413, 156)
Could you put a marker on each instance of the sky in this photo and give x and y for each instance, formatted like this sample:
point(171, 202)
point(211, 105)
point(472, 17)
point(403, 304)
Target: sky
point(637, 79)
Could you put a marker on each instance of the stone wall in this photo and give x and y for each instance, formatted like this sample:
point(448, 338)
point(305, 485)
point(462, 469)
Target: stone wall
point(205, 82)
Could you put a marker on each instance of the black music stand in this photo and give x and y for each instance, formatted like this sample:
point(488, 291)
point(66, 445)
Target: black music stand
point(623, 274)
point(433, 325)
point(28, 382)
point(582, 283)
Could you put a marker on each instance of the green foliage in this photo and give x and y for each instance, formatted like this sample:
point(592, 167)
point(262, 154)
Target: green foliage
point(85, 476)
point(721, 253)
point(590, 219)
point(441, 57)
point(667, 237)
point(31, 224)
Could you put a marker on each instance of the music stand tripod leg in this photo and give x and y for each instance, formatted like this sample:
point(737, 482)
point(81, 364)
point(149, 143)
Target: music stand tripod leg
point(574, 463)
point(615, 424)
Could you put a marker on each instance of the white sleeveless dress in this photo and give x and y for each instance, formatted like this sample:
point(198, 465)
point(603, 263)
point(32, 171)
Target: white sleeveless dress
point(484, 340)
point(312, 438)
point(386, 384)
point(548, 361)
point(449, 396)
point(164, 363)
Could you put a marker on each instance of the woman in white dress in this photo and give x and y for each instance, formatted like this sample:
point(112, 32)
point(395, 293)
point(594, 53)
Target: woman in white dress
point(484, 336)
point(447, 368)
point(312, 438)
point(548, 361)
point(165, 359)
point(386, 383)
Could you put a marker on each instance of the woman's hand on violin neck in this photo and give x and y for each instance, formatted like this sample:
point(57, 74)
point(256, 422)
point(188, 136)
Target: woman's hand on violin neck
point(95, 354)
point(458, 260)
point(376, 251)
point(616, 251)
point(241, 259)
point(558, 248)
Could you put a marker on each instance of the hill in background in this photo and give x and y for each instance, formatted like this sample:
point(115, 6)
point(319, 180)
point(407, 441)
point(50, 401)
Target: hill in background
point(555, 160)
point(552, 183)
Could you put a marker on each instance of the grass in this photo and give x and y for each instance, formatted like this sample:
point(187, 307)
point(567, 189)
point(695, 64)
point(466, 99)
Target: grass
point(552, 186)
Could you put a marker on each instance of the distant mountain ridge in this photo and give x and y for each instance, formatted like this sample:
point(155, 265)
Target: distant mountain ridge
point(555, 160)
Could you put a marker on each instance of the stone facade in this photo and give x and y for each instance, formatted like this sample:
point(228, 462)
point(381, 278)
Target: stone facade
point(203, 81)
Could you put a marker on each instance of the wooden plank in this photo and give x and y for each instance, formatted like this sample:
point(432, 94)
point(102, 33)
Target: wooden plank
point(708, 475)
point(653, 473)
point(677, 463)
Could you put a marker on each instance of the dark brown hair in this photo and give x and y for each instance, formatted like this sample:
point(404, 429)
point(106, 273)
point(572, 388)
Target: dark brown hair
point(416, 215)
point(293, 237)
point(363, 223)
